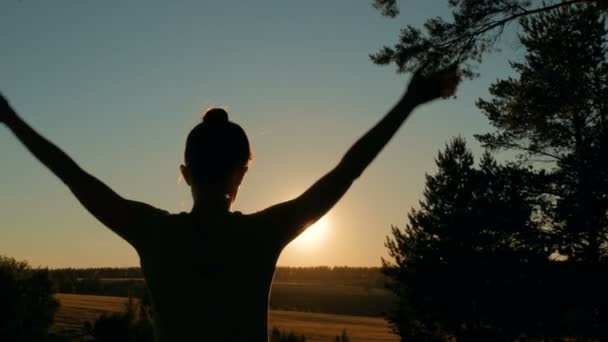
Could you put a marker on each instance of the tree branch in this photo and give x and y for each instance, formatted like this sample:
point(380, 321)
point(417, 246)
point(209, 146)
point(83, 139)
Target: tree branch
point(494, 24)
point(531, 150)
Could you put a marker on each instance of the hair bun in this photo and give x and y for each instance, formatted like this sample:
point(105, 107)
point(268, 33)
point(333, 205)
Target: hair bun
point(215, 116)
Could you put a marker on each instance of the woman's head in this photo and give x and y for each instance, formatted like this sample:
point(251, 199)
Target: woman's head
point(217, 155)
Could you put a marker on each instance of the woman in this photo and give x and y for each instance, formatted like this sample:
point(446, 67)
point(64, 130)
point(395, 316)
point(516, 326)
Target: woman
point(209, 271)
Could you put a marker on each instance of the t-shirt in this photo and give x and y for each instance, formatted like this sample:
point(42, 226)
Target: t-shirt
point(209, 281)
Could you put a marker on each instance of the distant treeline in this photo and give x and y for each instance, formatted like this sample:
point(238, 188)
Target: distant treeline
point(367, 277)
point(99, 272)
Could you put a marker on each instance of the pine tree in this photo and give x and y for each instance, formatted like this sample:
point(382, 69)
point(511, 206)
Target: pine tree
point(556, 113)
point(452, 262)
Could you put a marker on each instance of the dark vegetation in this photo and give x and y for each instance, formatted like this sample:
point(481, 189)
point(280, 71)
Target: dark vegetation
point(473, 270)
point(27, 305)
point(518, 249)
point(343, 337)
point(368, 277)
point(276, 335)
point(134, 325)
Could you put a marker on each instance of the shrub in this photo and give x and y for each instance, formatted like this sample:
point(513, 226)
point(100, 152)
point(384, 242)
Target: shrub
point(343, 338)
point(279, 336)
point(134, 325)
point(27, 305)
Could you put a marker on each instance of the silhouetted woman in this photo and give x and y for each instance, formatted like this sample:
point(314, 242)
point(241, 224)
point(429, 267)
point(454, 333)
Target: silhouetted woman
point(209, 271)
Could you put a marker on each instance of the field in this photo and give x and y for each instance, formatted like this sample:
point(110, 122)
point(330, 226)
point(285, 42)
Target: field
point(334, 298)
point(317, 327)
point(77, 309)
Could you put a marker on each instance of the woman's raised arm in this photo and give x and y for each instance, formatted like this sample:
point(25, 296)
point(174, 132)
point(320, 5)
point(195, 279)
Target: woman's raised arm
point(127, 218)
point(285, 221)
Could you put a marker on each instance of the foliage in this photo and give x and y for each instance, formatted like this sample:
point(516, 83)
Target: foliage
point(473, 261)
point(453, 264)
point(556, 113)
point(124, 282)
point(134, 325)
point(277, 335)
point(26, 301)
point(75, 280)
point(473, 31)
point(343, 337)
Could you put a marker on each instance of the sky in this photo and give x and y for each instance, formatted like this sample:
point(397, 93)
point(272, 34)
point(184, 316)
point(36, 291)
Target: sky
point(118, 84)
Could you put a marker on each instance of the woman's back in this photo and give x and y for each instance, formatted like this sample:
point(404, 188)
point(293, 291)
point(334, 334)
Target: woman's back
point(209, 280)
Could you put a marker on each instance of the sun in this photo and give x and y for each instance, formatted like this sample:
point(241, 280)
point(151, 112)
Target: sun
point(314, 235)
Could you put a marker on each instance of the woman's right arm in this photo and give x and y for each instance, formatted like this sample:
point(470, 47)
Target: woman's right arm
point(127, 218)
point(285, 221)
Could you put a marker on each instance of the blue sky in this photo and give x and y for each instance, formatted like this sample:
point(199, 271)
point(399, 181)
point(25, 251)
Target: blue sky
point(118, 85)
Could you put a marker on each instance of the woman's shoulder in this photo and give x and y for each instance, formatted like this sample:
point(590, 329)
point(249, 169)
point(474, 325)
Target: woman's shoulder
point(184, 221)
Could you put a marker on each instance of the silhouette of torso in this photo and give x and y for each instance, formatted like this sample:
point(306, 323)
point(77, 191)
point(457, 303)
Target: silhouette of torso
point(209, 281)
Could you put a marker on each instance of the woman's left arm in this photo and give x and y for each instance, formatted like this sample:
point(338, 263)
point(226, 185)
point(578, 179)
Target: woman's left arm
point(285, 221)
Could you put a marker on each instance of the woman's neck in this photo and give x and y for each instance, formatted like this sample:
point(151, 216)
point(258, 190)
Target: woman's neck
point(209, 206)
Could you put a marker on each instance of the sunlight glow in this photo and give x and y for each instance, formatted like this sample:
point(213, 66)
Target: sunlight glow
point(314, 235)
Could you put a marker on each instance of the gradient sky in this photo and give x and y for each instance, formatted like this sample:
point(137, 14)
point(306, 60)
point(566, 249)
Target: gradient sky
point(118, 85)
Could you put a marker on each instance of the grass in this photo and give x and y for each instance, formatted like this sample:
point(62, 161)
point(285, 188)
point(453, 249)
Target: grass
point(77, 309)
point(317, 327)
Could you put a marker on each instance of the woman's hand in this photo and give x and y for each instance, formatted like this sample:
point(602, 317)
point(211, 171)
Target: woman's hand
point(6, 111)
point(440, 84)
